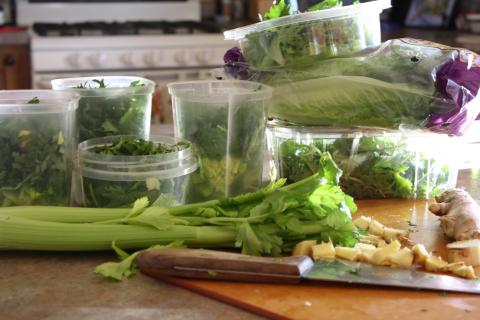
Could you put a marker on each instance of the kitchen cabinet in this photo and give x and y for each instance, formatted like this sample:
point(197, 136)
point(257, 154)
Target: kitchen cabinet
point(14, 67)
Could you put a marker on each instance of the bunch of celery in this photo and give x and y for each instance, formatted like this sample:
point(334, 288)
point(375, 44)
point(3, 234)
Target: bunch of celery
point(267, 222)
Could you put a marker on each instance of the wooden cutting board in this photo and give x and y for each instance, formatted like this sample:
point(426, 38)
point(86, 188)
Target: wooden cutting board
point(331, 301)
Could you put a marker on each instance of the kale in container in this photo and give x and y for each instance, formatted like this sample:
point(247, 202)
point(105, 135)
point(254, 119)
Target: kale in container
point(100, 116)
point(229, 145)
point(35, 165)
point(376, 167)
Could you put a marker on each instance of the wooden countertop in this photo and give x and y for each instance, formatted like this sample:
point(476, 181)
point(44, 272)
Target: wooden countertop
point(64, 286)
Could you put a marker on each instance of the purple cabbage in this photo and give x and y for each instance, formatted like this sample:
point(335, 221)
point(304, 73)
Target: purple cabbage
point(235, 64)
point(459, 82)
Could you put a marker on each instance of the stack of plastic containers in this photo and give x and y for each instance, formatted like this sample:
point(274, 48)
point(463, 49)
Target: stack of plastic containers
point(112, 106)
point(338, 89)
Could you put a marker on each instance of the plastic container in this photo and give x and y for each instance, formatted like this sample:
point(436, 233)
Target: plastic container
point(117, 181)
point(111, 105)
point(225, 121)
point(322, 34)
point(375, 163)
point(36, 147)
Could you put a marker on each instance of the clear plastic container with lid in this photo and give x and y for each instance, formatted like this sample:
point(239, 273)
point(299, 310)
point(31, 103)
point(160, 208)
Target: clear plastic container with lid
point(37, 143)
point(298, 38)
point(376, 163)
point(225, 121)
point(111, 105)
point(119, 180)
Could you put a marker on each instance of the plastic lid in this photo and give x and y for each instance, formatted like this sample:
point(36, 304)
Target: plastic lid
point(368, 7)
point(135, 168)
point(284, 130)
point(115, 85)
point(220, 90)
point(49, 101)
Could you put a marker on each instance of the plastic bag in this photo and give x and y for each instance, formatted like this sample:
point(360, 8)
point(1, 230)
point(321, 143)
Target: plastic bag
point(402, 83)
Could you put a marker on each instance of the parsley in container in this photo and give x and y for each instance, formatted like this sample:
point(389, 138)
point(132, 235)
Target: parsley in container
point(118, 170)
point(225, 121)
point(318, 34)
point(376, 163)
point(36, 147)
point(112, 105)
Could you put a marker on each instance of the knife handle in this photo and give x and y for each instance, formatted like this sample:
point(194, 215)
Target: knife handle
point(217, 265)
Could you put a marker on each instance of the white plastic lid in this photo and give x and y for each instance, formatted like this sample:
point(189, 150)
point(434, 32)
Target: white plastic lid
point(286, 131)
point(367, 7)
point(16, 102)
point(115, 85)
point(215, 91)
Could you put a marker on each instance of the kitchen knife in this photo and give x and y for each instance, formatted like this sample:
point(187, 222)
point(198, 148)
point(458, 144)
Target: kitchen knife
point(217, 265)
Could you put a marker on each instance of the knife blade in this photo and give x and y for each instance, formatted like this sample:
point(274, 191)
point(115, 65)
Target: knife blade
point(217, 265)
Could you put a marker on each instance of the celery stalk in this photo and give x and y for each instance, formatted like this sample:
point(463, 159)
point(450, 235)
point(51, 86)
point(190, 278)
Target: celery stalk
point(25, 234)
point(65, 214)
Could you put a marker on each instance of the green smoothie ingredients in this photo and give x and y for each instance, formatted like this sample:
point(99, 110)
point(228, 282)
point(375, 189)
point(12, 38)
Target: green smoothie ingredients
point(35, 156)
point(373, 167)
point(117, 170)
point(267, 222)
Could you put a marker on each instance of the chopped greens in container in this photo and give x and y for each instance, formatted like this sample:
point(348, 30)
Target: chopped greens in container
point(118, 170)
point(225, 121)
point(327, 30)
point(36, 147)
point(111, 105)
point(374, 166)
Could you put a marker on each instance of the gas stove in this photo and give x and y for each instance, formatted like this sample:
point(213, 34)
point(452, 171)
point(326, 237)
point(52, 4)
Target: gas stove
point(124, 28)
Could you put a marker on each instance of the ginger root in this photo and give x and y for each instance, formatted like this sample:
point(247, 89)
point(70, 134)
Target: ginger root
point(459, 214)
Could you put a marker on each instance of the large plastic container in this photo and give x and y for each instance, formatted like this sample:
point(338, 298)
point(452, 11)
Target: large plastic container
point(111, 105)
point(375, 163)
point(225, 121)
point(36, 147)
point(117, 181)
point(322, 34)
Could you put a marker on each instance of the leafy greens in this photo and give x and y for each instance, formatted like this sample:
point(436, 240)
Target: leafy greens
point(114, 114)
point(35, 161)
point(373, 167)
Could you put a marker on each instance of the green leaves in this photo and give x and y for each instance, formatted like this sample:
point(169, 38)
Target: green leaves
point(127, 267)
point(34, 100)
point(133, 146)
point(325, 4)
point(100, 116)
point(34, 165)
point(278, 9)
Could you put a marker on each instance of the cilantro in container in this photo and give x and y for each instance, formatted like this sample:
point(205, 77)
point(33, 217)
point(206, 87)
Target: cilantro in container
point(117, 170)
point(225, 121)
point(375, 163)
point(36, 147)
point(327, 30)
point(111, 105)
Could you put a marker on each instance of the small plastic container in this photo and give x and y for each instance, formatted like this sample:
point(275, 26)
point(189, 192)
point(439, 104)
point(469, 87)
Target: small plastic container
point(111, 105)
point(225, 121)
point(375, 163)
point(37, 143)
point(297, 38)
point(117, 181)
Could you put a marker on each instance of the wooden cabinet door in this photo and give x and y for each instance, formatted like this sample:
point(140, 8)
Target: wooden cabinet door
point(15, 67)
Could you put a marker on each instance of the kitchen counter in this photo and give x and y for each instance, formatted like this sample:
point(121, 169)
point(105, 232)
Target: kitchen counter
point(63, 286)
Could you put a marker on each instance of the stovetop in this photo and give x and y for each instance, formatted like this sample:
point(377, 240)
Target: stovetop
point(124, 28)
